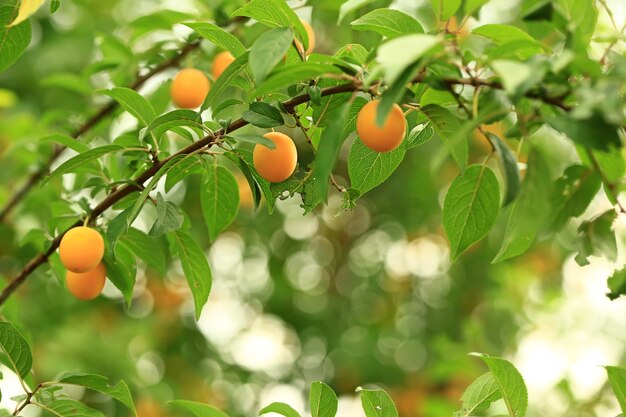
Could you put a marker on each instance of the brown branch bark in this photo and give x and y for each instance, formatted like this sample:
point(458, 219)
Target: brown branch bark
point(93, 121)
point(207, 141)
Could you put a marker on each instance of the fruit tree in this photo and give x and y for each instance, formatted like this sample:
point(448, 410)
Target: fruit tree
point(234, 207)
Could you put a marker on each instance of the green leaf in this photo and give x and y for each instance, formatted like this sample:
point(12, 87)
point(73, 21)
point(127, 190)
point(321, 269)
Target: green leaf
point(182, 170)
point(219, 198)
point(322, 400)
point(419, 135)
point(175, 118)
point(349, 6)
point(470, 207)
point(13, 40)
point(593, 132)
point(617, 379)
point(617, 284)
point(530, 210)
point(263, 115)
point(67, 141)
point(268, 50)
point(377, 403)
point(146, 249)
point(119, 391)
point(121, 270)
point(447, 126)
point(169, 217)
point(198, 409)
point(353, 113)
point(388, 22)
point(134, 212)
point(472, 6)
point(116, 228)
point(280, 408)
point(243, 157)
point(327, 154)
point(368, 169)
point(196, 268)
point(287, 75)
point(479, 395)
point(275, 14)
point(611, 163)
point(223, 105)
point(507, 34)
point(511, 384)
point(134, 103)
point(256, 139)
point(54, 6)
point(573, 193)
point(508, 162)
point(444, 9)
point(69, 408)
point(582, 16)
point(398, 54)
point(224, 81)
point(15, 349)
point(596, 238)
point(82, 158)
point(220, 37)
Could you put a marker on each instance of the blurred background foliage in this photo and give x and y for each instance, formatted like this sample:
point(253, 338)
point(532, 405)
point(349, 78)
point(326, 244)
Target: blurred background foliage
point(366, 297)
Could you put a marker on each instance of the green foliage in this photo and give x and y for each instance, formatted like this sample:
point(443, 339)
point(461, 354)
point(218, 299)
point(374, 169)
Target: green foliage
point(133, 103)
point(280, 408)
point(471, 207)
point(368, 169)
point(69, 408)
point(511, 385)
point(322, 400)
point(479, 395)
point(15, 39)
point(268, 51)
point(195, 266)
point(119, 391)
point(617, 380)
point(377, 403)
point(219, 198)
point(546, 91)
point(15, 350)
point(263, 115)
point(198, 409)
point(388, 22)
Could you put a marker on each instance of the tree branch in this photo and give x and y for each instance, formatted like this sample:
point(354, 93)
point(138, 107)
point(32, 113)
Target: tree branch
point(36, 176)
point(207, 142)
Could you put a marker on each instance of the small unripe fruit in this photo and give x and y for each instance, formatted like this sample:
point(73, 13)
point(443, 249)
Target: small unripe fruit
point(189, 88)
point(377, 138)
point(220, 63)
point(276, 165)
point(81, 249)
point(87, 285)
point(311, 35)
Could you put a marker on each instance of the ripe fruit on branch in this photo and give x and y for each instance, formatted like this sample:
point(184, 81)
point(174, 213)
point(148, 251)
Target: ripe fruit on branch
point(81, 249)
point(189, 88)
point(87, 285)
point(276, 165)
point(377, 138)
point(220, 63)
point(311, 35)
